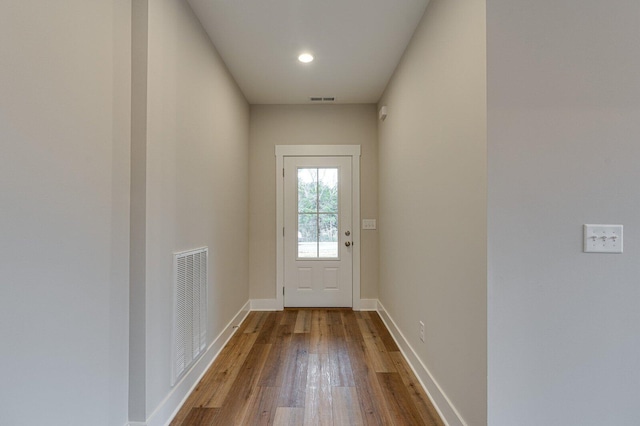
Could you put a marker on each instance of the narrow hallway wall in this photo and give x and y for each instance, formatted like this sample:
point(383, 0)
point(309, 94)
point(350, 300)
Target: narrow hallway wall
point(197, 183)
point(433, 203)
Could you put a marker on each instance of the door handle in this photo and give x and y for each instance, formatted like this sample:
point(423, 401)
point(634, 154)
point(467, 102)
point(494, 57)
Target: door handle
point(348, 243)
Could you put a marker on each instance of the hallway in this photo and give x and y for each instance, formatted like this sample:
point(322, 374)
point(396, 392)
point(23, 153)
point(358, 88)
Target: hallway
point(500, 129)
point(309, 366)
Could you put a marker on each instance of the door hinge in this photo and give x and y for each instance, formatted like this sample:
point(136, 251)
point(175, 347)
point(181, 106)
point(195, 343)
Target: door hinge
point(282, 172)
point(283, 231)
point(283, 291)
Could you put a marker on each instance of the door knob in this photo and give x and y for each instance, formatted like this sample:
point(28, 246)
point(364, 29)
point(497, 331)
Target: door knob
point(347, 233)
point(348, 243)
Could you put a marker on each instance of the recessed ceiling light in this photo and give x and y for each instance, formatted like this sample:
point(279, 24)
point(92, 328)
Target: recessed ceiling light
point(305, 57)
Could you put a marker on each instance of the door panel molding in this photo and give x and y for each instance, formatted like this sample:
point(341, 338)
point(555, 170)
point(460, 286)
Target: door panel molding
point(282, 151)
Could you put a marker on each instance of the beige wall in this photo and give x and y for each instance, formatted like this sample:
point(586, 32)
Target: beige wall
point(273, 125)
point(197, 182)
point(433, 200)
point(64, 211)
point(564, 150)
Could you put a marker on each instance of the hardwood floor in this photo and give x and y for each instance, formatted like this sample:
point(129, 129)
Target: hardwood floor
point(309, 367)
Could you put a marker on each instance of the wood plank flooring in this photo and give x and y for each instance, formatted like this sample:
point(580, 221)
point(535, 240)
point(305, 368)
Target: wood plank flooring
point(309, 367)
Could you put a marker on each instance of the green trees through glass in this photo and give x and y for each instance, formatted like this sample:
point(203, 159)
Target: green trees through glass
point(318, 212)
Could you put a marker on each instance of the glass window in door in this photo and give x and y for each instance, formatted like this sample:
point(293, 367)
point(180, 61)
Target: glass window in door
point(318, 216)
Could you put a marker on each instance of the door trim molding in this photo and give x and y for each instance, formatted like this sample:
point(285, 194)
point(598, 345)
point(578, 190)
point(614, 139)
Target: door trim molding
point(352, 151)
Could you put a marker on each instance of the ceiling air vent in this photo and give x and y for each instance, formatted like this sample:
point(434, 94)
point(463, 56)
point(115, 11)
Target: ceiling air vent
point(322, 99)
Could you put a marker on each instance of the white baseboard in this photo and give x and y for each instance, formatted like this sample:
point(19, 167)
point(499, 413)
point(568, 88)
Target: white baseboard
point(272, 305)
point(169, 407)
point(368, 304)
point(443, 405)
point(265, 305)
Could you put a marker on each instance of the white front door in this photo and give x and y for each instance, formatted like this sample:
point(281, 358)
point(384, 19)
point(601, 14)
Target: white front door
point(318, 239)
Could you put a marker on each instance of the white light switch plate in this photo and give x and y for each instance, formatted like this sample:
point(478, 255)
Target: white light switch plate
point(368, 224)
point(603, 238)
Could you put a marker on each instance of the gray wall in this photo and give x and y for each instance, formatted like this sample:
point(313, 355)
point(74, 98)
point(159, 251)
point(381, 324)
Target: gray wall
point(563, 122)
point(196, 189)
point(432, 151)
point(273, 125)
point(64, 211)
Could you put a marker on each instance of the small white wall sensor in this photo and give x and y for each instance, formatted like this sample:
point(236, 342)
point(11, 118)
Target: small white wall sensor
point(382, 114)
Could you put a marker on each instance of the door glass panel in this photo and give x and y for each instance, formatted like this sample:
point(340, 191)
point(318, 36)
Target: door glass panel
point(307, 190)
point(308, 235)
point(328, 190)
point(318, 213)
point(328, 227)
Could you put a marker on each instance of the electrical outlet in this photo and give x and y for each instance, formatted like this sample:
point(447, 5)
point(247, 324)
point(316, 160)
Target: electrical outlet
point(422, 331)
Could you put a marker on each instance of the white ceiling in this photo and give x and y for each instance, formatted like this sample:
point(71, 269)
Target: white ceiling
point(356, 43)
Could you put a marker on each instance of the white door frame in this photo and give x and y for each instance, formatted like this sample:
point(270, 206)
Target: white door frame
point(352, 151)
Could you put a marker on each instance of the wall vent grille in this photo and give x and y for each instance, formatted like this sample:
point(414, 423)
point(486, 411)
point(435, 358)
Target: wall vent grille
point(189, 309)
point(322, 99)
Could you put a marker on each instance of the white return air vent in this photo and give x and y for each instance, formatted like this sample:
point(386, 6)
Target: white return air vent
point(189, 310)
